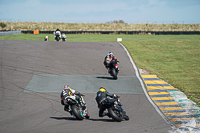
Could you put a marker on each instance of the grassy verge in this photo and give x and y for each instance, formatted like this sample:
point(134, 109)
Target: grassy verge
point(174, 59)
point(48, 26)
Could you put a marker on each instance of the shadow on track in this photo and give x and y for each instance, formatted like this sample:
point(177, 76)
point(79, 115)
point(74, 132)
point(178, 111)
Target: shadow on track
point(64, 118)
point(104, 120)
point(74, 119)
point(101, 77)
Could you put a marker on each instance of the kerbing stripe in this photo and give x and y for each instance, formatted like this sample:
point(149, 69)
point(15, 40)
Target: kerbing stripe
point(163, 106)
point(184, 122)
point(172, 111)
point(158, 85)
point(151, 79)
point(180, 116)
point(166, 95)
point(161, 101)
point(158, 90)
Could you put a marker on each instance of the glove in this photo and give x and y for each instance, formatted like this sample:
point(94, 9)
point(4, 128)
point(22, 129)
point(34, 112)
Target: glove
point(78, 93)
point(82, 94)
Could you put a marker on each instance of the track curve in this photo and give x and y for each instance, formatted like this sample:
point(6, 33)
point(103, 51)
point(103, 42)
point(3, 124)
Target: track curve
point(29, 65)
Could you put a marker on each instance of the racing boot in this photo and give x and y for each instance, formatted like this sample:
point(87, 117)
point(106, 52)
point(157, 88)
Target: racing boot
point(102, 114)
point(125, 116)
point(66, 108)
point(87, 116)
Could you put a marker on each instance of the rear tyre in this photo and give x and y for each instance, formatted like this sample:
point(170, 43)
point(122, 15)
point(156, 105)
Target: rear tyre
point(77, 113)
point(115, 115)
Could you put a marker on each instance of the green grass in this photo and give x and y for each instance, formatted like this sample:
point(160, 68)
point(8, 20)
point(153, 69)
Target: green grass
point(174, 58)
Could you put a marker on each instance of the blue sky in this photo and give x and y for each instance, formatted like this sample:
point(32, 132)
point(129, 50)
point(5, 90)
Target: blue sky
point(101, 11)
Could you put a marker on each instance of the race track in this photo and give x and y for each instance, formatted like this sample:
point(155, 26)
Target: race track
point(33, 73)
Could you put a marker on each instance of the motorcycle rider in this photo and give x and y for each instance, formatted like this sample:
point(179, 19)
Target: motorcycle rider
point(58, 32)
point(102, 95)
point(68, 92)
point(110, 56)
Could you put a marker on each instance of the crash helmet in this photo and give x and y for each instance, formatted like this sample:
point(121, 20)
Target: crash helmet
point(66, 87)
point(110, 53)
point(102, 89)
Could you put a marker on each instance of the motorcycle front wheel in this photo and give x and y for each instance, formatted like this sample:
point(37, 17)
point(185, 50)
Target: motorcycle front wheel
point(77, 113)
point(115, 114)
point(113, 73)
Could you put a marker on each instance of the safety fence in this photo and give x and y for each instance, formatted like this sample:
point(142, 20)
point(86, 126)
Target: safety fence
point(122, 32)
point(3, 33)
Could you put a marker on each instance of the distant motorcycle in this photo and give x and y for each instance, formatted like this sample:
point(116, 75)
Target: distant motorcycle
point(57, 36)
point(113, 70)
point(77, 109)
point(115, 109)
point(63, 37)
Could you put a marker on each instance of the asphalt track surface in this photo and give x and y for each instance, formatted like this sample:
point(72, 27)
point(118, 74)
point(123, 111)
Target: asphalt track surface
point(32, 74)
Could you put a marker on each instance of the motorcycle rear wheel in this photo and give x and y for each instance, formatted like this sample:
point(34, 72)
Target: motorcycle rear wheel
point(115, 116)
point(77, 113)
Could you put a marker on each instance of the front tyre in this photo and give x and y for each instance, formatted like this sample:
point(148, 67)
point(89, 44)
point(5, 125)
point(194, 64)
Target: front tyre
point(77, 113)
point(115, 115)
point(114, 73)
point(57, 39)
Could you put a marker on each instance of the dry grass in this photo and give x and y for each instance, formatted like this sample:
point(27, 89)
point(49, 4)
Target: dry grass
point(48, 26)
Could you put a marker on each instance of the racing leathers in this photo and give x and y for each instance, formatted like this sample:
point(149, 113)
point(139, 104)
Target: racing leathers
point(108, 59)
point(67, 93)
point(57, 32)
point(101, 96)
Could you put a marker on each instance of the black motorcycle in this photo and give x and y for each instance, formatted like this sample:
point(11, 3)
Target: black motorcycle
point(57, 36)
point(76, 108)
point(112, 69)
point(115, 109)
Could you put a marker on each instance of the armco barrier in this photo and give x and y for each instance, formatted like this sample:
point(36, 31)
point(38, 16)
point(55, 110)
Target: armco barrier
point(10, 32)
point(122, 32)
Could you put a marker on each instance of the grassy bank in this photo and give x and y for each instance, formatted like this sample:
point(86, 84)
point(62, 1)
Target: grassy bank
point(48, 26)
point(174, 59)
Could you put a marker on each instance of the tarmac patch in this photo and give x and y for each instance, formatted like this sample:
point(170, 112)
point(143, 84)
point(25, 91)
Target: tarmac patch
point(84, 83)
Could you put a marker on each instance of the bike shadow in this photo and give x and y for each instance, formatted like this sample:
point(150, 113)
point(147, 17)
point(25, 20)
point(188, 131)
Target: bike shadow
point(74, 119)
point(104, 120)
point(102, 77)
point(64, 118)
